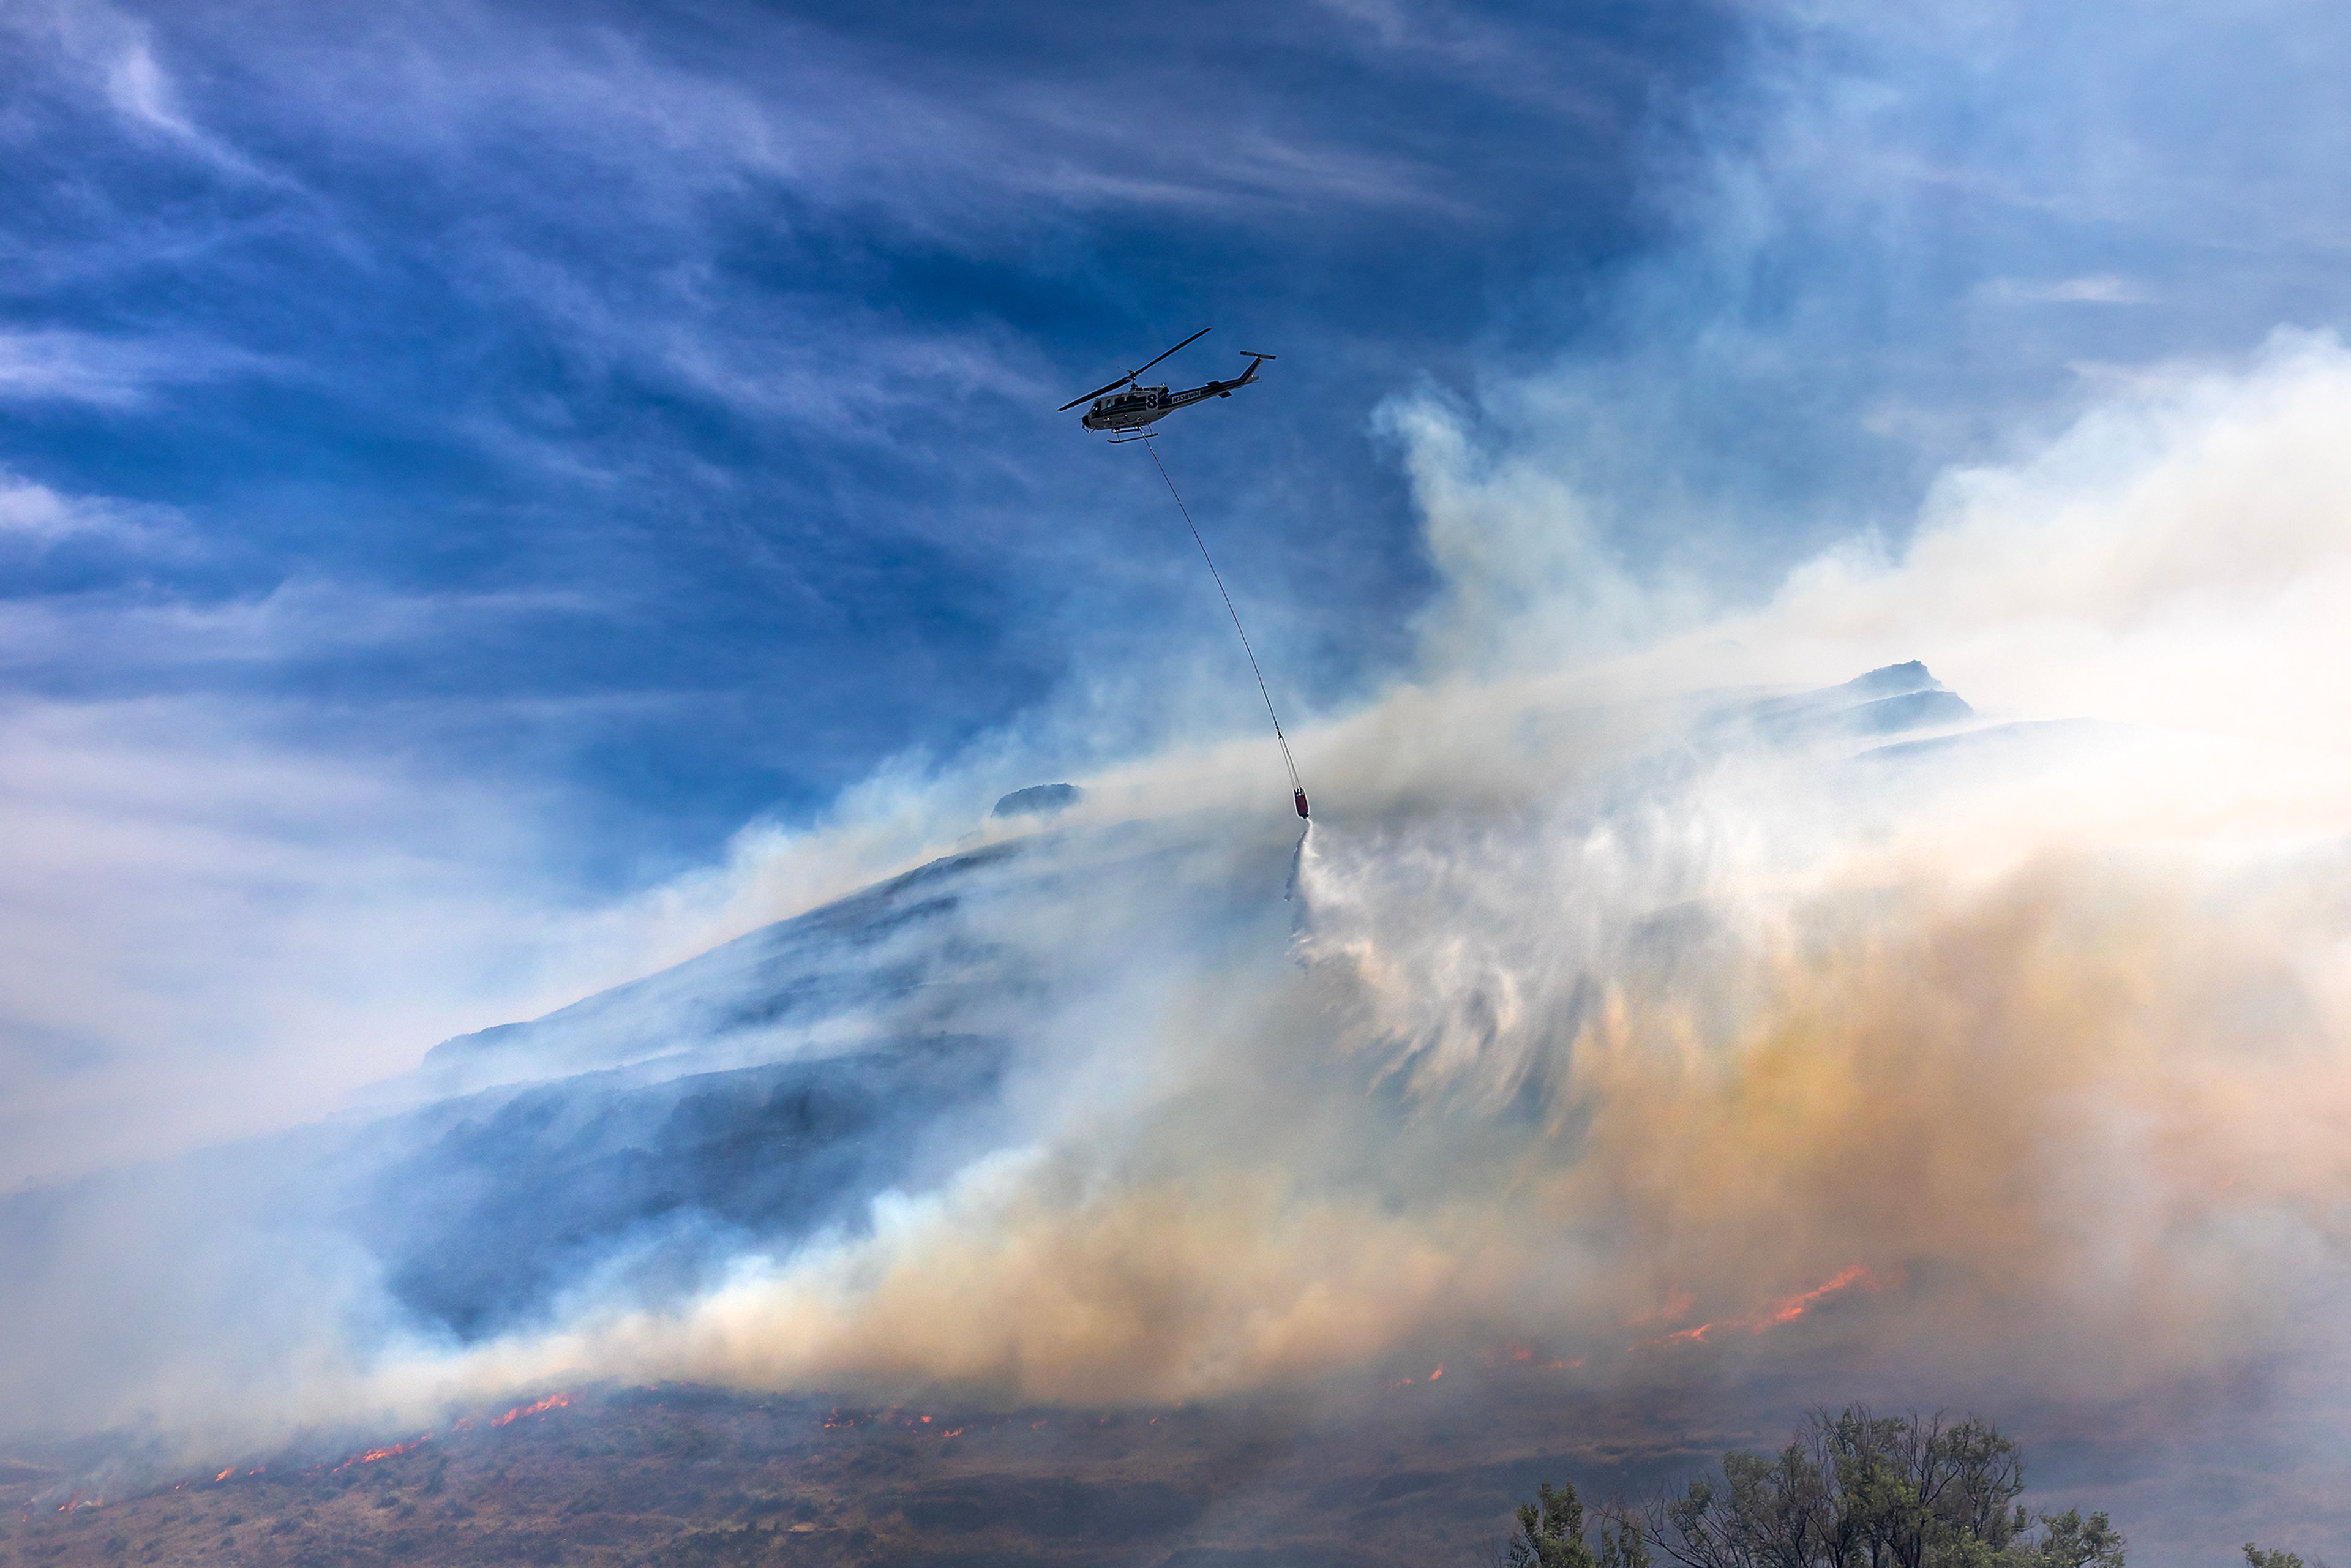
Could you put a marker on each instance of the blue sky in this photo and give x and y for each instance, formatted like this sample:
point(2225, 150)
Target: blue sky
point(684, 375)
point(656, 399)
point(496, 496)
point(462, 462)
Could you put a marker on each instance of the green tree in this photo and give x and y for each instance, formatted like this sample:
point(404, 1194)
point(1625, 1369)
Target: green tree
point(2273, 1558)
point(1852, 1490)
point(1551, 1532)
point(2069, 1541)
point(1914, 1490)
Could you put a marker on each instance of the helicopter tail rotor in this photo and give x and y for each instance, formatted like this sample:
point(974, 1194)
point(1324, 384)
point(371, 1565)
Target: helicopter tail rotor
point(1248, 375)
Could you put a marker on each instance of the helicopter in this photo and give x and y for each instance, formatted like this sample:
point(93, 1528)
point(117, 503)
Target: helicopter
point(1127, 413)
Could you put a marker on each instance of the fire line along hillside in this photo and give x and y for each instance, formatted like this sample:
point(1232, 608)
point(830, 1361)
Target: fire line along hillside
point(633, 1147)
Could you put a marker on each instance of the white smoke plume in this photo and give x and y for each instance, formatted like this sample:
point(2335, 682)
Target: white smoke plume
point(1690, 1039)
point(1634, 1019)
point(1625, 1026)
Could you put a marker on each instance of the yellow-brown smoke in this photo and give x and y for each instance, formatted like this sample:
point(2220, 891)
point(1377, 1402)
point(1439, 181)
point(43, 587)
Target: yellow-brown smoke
point(2020, 1059)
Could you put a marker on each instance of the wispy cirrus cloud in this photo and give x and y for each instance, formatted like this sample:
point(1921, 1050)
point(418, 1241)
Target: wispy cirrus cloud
point(35, 512)
point(2090, 288)
point(65, 365)
point(111, 53)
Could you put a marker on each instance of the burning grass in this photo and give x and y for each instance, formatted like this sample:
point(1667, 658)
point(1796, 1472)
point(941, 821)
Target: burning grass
point(688, 1474)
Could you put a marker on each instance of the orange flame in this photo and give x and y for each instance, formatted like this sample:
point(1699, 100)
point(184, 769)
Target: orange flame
point(225, 1474)
point(1786, 1312)
point(1794, 1307)
point(372, 1455)
point(552, 1402)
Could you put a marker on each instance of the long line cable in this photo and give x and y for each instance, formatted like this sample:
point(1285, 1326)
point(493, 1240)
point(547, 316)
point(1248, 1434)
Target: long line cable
point(1282, 740)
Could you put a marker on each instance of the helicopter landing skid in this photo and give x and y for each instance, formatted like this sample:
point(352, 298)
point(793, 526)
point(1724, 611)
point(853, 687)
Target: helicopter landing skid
point(1121, 437)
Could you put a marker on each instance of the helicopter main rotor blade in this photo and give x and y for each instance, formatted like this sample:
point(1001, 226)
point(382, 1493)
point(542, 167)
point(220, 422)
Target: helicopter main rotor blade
point(1135, 372)
point(1096, 392)
point(1185, 344)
